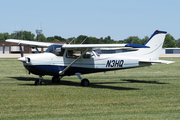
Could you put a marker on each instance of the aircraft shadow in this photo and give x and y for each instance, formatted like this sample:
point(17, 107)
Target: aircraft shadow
point(102, 85)
point(142, 81)
point(24, 78)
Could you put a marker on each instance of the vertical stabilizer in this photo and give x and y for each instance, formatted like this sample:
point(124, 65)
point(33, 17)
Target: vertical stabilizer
point(155, 43)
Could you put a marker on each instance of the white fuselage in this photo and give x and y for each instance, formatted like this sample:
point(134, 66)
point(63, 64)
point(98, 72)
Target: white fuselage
point(51, 64)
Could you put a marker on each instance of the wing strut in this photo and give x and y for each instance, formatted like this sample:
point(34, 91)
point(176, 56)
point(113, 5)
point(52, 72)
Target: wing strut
point(62, 72)
point(37, 49)
point(20, 47)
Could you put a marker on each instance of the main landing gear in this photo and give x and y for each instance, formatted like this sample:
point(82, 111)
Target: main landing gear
point(55, 79)
point(84, 82)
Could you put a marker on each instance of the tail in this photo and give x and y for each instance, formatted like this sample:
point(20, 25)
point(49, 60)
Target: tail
point(155, 43)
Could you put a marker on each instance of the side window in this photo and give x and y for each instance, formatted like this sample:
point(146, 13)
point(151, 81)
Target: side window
point(59, 51)
point(73, 54)
point(87, 55)
point(62, 52)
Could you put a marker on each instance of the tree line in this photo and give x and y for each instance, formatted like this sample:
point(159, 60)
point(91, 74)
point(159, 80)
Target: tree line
point(169, 42)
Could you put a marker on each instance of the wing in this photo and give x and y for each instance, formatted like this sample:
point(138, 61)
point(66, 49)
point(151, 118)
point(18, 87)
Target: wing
point(42, 44)
point(81, 47)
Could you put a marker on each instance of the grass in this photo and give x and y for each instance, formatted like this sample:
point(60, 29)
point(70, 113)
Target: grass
point(141, 93)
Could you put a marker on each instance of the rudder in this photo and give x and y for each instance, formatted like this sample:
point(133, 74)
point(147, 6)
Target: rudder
point(155, 43)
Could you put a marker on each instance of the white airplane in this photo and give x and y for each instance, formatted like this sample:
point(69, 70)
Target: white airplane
point(75, 59)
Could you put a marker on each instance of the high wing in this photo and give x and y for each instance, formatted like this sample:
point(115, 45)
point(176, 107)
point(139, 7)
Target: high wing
point(34, 43)
point(81, 47)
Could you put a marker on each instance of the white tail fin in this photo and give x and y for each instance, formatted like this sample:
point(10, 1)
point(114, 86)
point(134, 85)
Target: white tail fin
point(155, 43)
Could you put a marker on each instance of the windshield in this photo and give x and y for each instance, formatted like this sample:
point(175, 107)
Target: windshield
point(56, 49)
point(52, 48)
point(96, 53)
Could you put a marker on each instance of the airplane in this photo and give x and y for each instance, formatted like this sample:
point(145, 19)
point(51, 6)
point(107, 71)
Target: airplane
point(61, 60)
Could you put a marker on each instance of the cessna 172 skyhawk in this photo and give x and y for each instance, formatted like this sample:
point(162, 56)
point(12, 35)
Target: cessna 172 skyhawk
point(75, 59)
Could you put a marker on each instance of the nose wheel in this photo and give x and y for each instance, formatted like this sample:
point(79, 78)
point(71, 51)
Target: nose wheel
point(84, 82)
point(38, 82)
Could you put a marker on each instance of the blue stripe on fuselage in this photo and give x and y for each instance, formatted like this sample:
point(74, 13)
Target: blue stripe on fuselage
point(44, 69)
point(54, 69)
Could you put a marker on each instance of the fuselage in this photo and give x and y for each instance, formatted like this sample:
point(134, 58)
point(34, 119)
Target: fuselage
point(52, 64)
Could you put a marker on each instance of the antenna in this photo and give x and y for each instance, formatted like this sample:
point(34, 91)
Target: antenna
point(72, 40)
point(84, 40)
point(16, 33)
point(22, 32)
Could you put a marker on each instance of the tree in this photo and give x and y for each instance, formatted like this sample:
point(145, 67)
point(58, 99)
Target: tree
point(108, 40)
point(128, 40)
point(4, 36)
point(169, 42)
point(1, 37)
point(91, 40)
point(59, 38)
point(49, 39)
point(135, 40)
point(70, 39)
point(27, 35)
point(144, 40)
point(80, 39)
point(23, 35)
point(41, 37)
point(120, 41)
point(178, 42)
point(55, 40)
point(100, 41)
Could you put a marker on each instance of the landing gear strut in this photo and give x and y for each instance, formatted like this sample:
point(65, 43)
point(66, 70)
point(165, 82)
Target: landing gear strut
point(39, 82)
point(84, 82)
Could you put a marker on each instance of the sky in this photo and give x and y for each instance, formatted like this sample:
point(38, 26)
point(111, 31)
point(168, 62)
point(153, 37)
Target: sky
point(96, 18)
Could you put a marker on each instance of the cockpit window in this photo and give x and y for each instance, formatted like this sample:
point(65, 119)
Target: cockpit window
point(73, 54)
point(56, 49)
point(94, 52)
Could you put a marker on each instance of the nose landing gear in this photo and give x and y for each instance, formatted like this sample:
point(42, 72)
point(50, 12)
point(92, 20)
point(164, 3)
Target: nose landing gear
point(39, 82)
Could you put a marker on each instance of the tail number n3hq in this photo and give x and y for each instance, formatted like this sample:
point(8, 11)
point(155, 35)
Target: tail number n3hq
point(115, 63)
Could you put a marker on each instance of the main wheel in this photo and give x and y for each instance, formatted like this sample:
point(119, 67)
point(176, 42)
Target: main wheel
point(38, 83)
point(85, 82)
point(55, 79)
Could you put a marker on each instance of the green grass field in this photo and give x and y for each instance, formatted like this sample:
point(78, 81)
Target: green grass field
point(141, 93)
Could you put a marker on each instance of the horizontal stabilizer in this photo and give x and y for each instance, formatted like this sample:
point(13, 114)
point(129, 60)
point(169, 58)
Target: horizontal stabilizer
point(156, 61)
